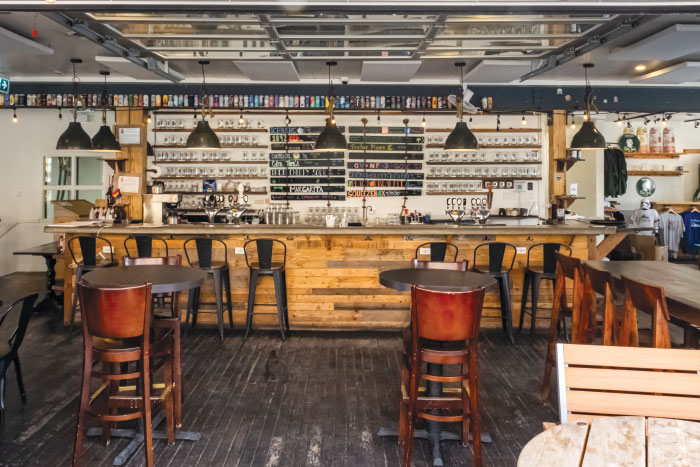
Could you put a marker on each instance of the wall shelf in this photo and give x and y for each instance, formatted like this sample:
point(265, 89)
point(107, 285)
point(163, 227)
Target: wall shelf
point(207, 178)
point(565, 163)
point(522, 146)
point(216, 130)
point(487, 130)
point(224, 162)
point(566, 200)
point(456, 193)
point(214, 192)
point(648, 155)
point(223, 146)
point(486, 163)
point(656, 173)
point(498, 179)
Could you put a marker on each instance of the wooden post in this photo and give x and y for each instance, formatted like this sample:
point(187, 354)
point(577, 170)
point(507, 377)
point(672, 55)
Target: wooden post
point(136, 157)
point(557, 149)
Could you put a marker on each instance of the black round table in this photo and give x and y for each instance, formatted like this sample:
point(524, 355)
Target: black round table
point(439, 280)
point(164, 279)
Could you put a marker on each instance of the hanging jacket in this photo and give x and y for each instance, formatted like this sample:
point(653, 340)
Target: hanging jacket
point(615, 166)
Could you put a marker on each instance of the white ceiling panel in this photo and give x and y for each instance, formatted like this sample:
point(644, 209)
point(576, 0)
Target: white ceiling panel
point(14, 44)
point(389, 71)
point(498, 71)
point(682, 73)
point(676, 41)
point(125, 67)
point(268, 71)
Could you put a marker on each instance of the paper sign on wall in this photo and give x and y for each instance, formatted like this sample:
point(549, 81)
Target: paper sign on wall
point(129, 135)
point(129, 183)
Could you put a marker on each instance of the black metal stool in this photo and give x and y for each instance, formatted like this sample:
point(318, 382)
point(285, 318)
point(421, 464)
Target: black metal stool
point(438, 251)
point(88, 250)
point(266, 266)
point(534, 276)
point(497, 252)
point(220, 274)
point(144, 246)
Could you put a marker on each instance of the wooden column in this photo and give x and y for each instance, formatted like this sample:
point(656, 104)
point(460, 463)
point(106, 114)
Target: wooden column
point(136, 157)
point(557, 149)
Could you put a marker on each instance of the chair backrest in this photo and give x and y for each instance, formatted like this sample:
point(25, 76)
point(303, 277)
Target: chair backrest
point(570, 266)
point(549, 259)
point(599, 380)
point(116, 312)
point(497, 252)
point(446, 316)
point(144, 245)
point(88, 249)
point(438, 251)
point(265, 251)
point(205, 249)
point(597, 281)
point(26, 310)
point(651, 300)
point(456, 266)
point(175, 260)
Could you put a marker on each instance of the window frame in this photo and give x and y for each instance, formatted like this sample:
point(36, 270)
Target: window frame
point(73, 187)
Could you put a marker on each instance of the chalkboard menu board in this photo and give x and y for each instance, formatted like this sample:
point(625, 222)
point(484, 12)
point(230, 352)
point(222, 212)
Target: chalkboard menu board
point(382, 161)
point(298, 175)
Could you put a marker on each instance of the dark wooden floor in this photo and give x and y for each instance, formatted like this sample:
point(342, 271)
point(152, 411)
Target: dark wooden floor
point(317, 399)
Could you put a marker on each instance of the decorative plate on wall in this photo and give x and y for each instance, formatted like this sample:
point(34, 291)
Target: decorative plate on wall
point(646, 187)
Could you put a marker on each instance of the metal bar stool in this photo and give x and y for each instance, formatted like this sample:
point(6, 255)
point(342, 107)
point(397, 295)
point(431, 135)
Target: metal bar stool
point(438, 251)
point(496, 257)
point(220, 274)
point(535, 275)
point(88, 250)
point(144, 246)
point(267, 266)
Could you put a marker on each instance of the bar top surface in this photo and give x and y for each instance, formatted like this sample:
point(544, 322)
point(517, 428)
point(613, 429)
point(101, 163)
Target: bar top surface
point(571, 228)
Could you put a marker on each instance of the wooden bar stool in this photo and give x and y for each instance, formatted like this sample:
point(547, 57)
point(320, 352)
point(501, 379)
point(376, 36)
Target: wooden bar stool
point(496, 261)
point(172, 321)
point(651, 300)
point(88, 250)
point(219, 272)
point(534, 275)
point(567, 268)
point(598, 282)
point(9, 353)
point(438, 251)
point(445, 331)
point(270, 262)
point(117, 337)
point(144, 245)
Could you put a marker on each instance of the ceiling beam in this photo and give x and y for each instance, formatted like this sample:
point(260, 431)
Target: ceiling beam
point(429, 36)
point(274, 36)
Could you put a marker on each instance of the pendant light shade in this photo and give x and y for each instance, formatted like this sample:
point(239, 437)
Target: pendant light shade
point(588, 137)
point(74, 138)
point(331, 139)
point(461, 139)
point(203, 137)
point(149, 149)
point(105, 141)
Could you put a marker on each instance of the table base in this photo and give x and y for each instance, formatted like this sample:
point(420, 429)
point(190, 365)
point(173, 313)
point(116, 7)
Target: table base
point(137, 437)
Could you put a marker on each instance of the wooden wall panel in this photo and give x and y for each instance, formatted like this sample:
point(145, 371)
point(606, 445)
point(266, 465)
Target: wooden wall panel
point(333, 281)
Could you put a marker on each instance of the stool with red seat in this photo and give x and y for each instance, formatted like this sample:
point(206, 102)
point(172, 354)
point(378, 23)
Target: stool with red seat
point(117, 337)
point(444, 331)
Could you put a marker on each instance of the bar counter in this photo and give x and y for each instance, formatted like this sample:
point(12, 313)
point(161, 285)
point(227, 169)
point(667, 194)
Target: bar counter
point(332, 273)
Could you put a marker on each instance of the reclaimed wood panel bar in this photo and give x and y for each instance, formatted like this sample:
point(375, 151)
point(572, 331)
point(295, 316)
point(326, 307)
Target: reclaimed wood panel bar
point(333, 276)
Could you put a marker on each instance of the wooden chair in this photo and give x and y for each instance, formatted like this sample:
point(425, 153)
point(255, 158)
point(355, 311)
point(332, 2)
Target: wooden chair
point(534, 275)
point(456, 266)
point(499, 268)
point(567, 268)
point(599, 380)
point(651, 300)
point(445, 331)
point(117, 336)
point(438, 251)
point(599, 282)
point(144, 245)
point(173, 322)
point(9, 353)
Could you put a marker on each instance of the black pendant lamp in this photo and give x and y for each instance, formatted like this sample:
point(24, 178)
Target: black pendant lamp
point(461, 139)
point(330, 139)
point(75, 137)
point(104, 140)
point(203, 137)
point(588, 137)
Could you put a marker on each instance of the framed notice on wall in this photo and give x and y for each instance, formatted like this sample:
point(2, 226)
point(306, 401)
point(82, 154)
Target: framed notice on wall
point(130, 135)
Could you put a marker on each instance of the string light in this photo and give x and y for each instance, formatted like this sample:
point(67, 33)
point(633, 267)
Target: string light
point(14, 115)
point(423, 122)
point(573, 123)
point(586, 116)
point(619, 120)
point(287, 120)
point(241, 120)
point(663, 122)
point(523, 121)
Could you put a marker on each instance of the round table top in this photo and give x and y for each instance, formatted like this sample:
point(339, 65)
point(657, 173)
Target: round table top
point(439, 280)
point(164, 279)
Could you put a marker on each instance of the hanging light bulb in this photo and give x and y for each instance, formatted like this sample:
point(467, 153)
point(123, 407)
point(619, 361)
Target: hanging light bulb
point(14, 115)
point(104, 140)
point(588, 137)
point(461, 138)
point(330, 139)
point(203, 137)
point(241, 120)
point(423, 122)
point(663, 121)
point(379, 119)
point(60, 115)
point(619, 121)
point(523, 121)
point(74, 137)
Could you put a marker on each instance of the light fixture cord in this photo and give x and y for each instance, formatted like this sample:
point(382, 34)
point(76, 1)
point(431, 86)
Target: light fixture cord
point(76, 97)
point(364, 170)
point(104, 103)
point(286, 152)
point(205, 97)
point(405, 165)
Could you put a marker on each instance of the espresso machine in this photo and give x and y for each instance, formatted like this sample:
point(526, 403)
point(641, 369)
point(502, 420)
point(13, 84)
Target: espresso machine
point(156, 207)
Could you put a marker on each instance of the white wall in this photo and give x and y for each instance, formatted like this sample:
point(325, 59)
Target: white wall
point(24, 144)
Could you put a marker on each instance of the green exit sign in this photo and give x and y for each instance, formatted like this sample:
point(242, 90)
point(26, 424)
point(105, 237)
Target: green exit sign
point(4, 85)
